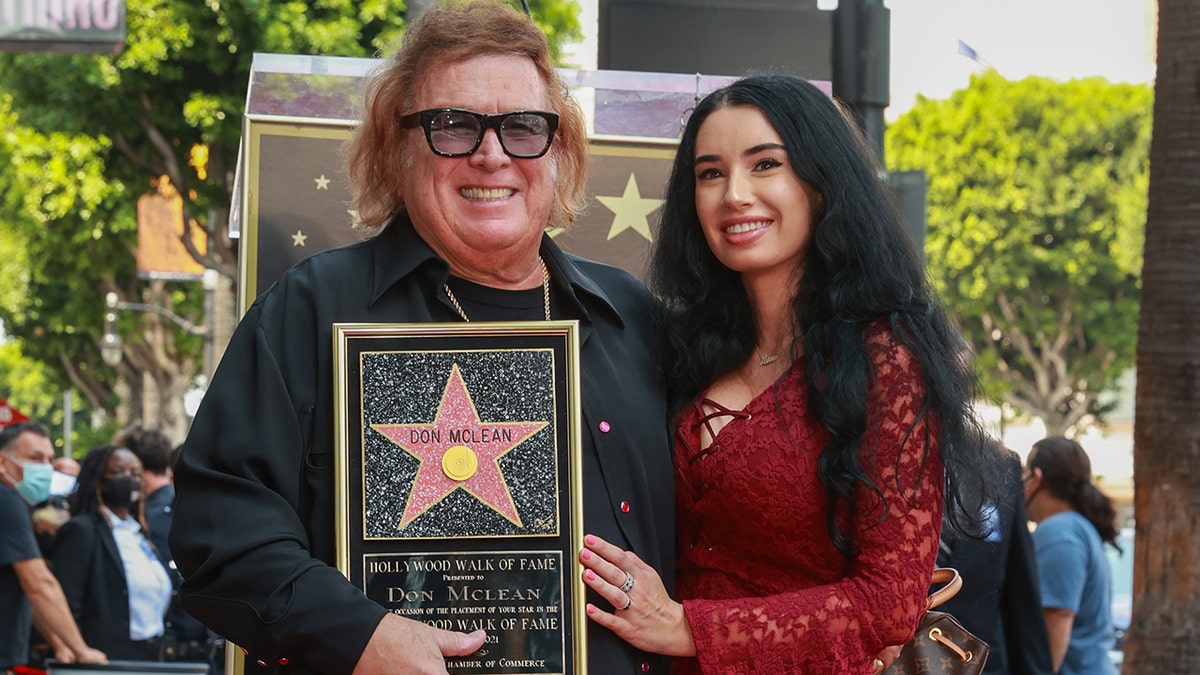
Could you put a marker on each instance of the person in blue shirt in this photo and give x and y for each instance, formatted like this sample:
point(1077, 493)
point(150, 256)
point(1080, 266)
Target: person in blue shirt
point(1075, 519)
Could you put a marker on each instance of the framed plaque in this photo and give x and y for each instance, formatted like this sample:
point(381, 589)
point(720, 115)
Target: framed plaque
point(460, 484)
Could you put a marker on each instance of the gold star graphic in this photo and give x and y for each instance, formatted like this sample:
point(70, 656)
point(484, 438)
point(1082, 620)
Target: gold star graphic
point(322, 182)
point(631, 210)
point(298, 239)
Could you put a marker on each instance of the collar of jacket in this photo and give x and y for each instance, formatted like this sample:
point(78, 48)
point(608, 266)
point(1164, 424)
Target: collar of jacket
point(399, 251)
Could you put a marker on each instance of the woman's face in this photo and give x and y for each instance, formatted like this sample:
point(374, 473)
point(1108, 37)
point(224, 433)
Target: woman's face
point(755, 213)
point(120, 463)
point(476, 210)
point(123, 463)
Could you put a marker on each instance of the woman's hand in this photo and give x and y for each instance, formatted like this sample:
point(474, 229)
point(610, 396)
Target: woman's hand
point(645, 616)
point(63, 653)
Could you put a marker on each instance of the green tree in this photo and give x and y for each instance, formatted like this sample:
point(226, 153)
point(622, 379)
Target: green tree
point(87, 135)
point(1037, 203)
point(28, 385)
point(61, 219)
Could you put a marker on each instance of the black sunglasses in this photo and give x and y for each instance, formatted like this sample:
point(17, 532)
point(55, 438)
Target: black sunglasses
point(453, 132)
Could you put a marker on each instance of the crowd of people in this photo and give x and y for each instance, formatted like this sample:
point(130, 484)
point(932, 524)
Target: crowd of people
point(775, 430)
point(85, 571)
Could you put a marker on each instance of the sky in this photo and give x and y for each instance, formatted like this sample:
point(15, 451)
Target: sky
point(1062, 39)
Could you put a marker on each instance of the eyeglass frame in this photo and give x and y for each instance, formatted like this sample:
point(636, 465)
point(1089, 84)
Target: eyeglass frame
point(424, 120)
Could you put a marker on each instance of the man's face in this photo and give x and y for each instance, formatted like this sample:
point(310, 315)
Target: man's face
point(483, 210)
point(26, 448)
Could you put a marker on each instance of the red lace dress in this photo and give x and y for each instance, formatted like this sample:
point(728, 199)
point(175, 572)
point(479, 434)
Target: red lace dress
point(763, 587)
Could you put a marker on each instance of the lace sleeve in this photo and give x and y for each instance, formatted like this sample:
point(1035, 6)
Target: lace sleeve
point(869, 602)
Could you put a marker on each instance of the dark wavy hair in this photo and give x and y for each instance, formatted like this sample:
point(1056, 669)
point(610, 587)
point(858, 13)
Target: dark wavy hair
point(86, 497)
point(859, 268)
point(1067, 475)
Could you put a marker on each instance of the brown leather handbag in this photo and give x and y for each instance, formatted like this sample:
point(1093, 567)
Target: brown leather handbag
point(941, 644)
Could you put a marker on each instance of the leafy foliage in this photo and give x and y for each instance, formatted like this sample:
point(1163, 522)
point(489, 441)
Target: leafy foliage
point(1037, 205)
point(66, 227)
point(83, 136)
point(27, 385)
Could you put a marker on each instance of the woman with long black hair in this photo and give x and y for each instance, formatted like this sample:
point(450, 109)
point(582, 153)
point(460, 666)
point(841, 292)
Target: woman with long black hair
point(115, 583)
point(823, 403)
point(1075, 519)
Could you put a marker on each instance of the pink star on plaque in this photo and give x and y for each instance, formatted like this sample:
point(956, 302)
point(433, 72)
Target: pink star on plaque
point(457, 450)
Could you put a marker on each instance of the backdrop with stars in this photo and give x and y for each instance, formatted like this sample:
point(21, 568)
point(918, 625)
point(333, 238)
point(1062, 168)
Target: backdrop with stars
point(297, 200)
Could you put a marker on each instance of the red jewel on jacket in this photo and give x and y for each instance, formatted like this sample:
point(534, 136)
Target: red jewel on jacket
point(624, 507)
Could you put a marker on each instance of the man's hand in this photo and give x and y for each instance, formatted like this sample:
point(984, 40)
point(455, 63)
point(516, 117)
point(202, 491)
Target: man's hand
point(90, 655)
point(407, 646)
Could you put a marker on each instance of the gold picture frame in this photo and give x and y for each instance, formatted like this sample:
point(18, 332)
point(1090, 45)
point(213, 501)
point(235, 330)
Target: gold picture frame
point(459, 483)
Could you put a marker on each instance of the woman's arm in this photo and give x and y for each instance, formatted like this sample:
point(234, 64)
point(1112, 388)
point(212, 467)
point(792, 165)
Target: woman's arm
point(1059, 623)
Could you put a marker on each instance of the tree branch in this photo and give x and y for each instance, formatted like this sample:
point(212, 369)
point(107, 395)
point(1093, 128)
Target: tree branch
point(122, 145)
point(92, 390)
point(1021, 341)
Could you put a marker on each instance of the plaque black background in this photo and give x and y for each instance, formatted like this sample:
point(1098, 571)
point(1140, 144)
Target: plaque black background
point(559, 543)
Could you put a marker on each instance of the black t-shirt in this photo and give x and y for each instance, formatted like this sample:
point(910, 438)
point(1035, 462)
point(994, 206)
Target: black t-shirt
point(17, 543)
point(484, 303)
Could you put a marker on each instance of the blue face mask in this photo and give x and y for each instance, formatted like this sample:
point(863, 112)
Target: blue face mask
point(35, 483)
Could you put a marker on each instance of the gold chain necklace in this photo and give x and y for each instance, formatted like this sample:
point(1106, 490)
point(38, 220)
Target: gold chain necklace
point(545, 293)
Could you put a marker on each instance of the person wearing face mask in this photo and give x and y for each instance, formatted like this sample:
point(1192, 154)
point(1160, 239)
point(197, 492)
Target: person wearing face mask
point(50, 514)
point(117, 587)
point(29, 593)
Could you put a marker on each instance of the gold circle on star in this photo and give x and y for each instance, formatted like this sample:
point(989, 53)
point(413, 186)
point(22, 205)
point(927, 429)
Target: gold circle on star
point(459, 463)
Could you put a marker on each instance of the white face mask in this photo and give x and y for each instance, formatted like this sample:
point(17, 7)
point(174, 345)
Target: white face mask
point(61, 484)
point(34, 487)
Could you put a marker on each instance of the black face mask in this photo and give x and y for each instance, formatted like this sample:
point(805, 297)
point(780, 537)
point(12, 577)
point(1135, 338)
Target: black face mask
point(120, 491)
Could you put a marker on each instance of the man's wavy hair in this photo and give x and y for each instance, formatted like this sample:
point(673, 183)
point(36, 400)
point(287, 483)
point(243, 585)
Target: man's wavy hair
point(377, 152)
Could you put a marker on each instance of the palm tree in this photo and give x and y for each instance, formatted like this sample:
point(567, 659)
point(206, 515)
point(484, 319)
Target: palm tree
point(1166, 612)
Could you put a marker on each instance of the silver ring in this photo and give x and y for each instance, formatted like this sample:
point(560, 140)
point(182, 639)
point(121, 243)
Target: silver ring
point(628, 604)
point(628, 585)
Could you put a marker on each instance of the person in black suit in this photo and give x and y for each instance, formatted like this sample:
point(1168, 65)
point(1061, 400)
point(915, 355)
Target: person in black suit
point(1000, 600)
point(153, 450)
point(115, 584)
point(469, 151)
point(187, 638)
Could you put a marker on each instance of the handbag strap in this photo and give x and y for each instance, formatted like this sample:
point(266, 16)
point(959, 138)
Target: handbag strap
point(948, 576)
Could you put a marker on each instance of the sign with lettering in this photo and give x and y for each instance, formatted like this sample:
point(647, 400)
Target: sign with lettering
point(63, 26)
point(459, 482)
